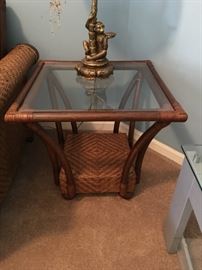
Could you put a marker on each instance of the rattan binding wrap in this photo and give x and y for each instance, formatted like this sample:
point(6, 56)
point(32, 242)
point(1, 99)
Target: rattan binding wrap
point(97, 162)
point(13, 72)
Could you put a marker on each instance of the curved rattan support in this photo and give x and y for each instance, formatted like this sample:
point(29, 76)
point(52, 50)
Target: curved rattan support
point(55, 165)
point(140, 157)
point(116, 127)
point(139, 160)
point(131, 133)
point(137, 152)
point(60, 133)
point(74, 127)
point(67, 187)
point(135, 85)
point(53, 86)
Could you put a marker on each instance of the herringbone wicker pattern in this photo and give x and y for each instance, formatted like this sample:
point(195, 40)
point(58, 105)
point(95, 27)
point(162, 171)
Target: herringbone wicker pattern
point(97, 161)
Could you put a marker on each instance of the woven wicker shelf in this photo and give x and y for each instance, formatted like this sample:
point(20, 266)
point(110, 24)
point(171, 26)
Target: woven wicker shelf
point(97, 161)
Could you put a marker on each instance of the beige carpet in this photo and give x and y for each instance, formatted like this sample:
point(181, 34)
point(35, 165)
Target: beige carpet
point(40, 230)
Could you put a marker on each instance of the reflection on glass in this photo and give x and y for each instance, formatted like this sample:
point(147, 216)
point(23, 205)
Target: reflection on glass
point(95, 91)
point(59, 88)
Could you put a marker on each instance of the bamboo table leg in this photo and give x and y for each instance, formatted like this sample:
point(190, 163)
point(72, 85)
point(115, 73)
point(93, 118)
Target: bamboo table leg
point(56, 153)
point(134, 86)
point(55, 165)
point(136, 155)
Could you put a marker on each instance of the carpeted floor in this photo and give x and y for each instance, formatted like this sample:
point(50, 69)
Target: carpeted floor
point(40, 230)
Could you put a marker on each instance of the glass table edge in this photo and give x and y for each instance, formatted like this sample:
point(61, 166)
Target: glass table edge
point(129, 64)
point(114, 115)
point(189, 162)
point(182, 116)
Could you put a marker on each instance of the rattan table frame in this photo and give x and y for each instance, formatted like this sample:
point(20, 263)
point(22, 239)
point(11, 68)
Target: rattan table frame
point(135, 158)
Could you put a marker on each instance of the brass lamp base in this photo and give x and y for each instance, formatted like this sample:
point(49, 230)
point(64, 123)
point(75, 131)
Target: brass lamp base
point(90, 71)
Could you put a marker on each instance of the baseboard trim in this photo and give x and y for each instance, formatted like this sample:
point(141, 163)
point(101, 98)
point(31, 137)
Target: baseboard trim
point(155, 145)
point(165, 150)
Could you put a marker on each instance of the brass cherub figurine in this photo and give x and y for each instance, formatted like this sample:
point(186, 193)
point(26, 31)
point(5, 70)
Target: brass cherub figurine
point(95, 63)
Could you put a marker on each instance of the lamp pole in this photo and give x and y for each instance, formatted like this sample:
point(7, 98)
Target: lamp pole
point(90, 25)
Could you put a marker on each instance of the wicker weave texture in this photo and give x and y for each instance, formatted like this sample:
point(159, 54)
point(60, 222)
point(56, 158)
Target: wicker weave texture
point(13, 71)
point(97, 161)
point(13, 68)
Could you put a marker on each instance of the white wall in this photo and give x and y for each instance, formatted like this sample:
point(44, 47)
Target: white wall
point(166, 31)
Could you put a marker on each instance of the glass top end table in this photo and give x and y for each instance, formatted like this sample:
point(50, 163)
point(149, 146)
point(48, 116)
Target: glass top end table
point(59, 88)
point(134, 92)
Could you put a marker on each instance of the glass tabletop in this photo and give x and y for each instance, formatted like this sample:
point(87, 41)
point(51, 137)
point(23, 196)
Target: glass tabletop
point(193, 155)
point(59, 88)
